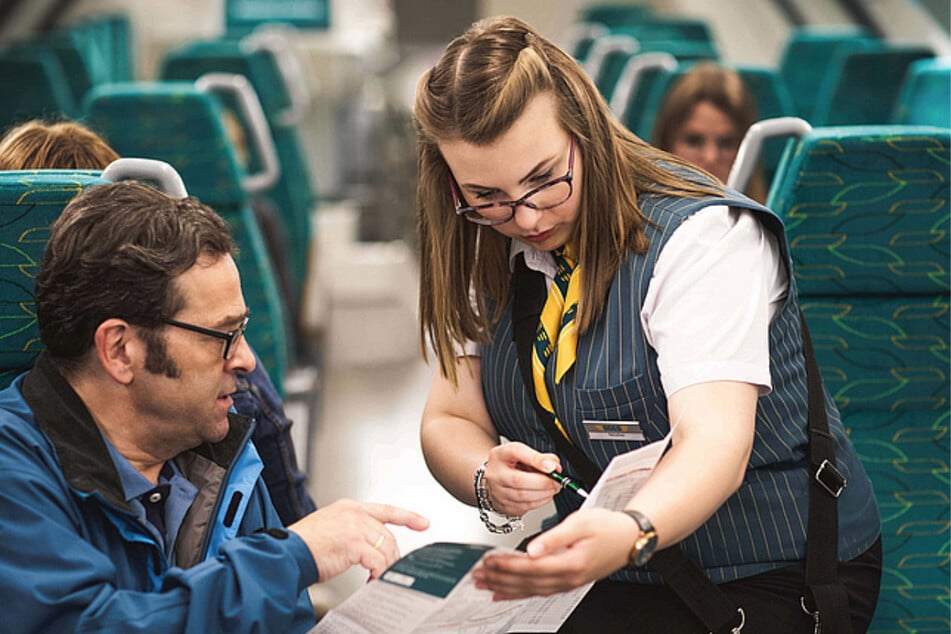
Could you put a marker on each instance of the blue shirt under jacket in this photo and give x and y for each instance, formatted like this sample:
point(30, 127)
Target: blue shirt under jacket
point(74, 555)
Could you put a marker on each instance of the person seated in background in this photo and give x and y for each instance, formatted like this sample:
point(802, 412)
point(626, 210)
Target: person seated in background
point(132, 497)
point(70, 145)
point(703, 119)
point(37, 145)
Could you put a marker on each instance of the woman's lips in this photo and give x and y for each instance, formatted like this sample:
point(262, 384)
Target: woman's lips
point(539, 237)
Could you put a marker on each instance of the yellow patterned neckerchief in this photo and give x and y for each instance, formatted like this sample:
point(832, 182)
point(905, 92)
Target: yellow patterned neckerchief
point(557, 325)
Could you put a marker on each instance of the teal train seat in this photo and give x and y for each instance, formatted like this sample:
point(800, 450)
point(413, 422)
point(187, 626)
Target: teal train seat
point(29, 203)
point(612, 77)
point(862, 87)
point(180, 124)
point(867, 213)
point(617, 14)
point(805, 60)
point(294, 193)
point(37, 87)
point(925, 97)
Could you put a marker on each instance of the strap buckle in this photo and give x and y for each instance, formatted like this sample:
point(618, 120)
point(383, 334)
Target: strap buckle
point(816, 623)
point(736, 629)
point(830, 478)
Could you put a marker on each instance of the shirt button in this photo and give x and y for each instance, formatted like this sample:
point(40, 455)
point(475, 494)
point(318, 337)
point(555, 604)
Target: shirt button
point(155, 497)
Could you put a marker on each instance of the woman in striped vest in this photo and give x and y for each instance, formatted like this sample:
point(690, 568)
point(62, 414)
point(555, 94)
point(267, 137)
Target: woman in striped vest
point(669, 309)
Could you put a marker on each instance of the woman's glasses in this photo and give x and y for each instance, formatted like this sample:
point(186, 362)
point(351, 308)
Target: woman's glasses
point(545, 196)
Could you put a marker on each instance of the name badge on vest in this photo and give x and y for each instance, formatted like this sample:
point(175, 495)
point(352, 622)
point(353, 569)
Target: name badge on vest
point(613, 430)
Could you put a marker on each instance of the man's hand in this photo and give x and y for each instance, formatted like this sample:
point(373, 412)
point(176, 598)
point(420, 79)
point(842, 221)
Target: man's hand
point(346, 533)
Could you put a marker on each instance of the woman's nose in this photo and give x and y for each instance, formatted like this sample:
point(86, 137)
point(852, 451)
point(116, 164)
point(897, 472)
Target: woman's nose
point(526, 217)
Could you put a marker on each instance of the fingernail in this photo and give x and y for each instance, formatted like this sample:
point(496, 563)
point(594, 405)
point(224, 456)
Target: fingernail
point(535, 549)
point(548, 466)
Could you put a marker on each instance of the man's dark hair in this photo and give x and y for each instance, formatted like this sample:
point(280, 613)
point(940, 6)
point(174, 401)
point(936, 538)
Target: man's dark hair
point(114, 252)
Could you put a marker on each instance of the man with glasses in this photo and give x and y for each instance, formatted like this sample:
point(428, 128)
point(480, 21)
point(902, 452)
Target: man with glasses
point(132, 495)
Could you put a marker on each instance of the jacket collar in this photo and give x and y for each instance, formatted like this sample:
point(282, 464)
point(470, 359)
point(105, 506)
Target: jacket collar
point(83, 456)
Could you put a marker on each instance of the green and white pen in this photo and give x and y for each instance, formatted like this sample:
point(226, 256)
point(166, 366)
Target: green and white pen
point(567, 483)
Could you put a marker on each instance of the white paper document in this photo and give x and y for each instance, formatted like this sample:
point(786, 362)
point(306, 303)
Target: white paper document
point(431, 590)
point(624, 475)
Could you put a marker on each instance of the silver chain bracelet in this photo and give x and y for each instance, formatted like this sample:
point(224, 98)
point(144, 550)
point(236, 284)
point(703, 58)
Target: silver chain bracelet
point(485, 508)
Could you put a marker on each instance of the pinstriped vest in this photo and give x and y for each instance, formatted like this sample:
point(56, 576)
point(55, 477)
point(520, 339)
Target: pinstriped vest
point(615, 378)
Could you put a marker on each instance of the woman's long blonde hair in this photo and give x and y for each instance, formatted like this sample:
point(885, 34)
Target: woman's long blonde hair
point(475, 92)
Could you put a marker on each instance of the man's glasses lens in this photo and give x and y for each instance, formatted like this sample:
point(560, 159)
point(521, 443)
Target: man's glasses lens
point(231, 344)
point(231, 338)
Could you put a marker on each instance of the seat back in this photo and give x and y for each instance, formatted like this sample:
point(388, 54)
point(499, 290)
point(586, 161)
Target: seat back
point(243, 16)
point(294, 193)
point(617, 14)
point(38, 87)
point(29, 203)
point(925, 97)
point(805, 58)
point(177, 123)
point(862, 87)
point(867, 215)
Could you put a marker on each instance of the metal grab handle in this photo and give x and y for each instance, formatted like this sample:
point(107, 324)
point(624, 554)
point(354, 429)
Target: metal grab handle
point(604, 46)
point(631, 76)
point(253, 114)
point(276, 39)
point(747, 156)
point(160, 172)
point(580, 32)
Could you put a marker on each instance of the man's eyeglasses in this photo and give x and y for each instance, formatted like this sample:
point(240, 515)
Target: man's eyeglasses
point(230, 338)
point(546, 196)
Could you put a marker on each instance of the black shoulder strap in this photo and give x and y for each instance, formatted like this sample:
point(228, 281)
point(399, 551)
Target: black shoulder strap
point(684, 577)
point(828, 594)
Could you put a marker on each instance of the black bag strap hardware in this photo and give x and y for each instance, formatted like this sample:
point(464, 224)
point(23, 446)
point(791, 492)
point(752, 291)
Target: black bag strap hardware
point(681, 574)
point(823, 588)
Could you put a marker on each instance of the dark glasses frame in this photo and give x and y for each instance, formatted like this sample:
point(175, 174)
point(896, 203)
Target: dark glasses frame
point(229, 337)
point(471, 212)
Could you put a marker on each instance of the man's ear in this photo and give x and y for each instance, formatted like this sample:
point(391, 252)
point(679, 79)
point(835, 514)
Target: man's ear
point(118, 348)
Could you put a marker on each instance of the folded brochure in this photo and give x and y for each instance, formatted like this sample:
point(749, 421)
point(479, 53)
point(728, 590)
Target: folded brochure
point(431, 589)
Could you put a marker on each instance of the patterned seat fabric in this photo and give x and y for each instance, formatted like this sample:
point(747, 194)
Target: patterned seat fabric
point(176, 123)
point(29, 203)
point(867, 213)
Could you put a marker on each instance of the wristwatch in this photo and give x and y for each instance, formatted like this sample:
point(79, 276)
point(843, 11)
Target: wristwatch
point(646, 542)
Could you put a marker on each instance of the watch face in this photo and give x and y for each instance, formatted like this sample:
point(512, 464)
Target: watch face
point(644, 548)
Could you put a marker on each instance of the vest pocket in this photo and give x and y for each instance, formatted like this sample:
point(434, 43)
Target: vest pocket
point(626, 401)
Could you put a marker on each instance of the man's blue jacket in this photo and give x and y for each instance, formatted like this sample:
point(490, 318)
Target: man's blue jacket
point(74, 557)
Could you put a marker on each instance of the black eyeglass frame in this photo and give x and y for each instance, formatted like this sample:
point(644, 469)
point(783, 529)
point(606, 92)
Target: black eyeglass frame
point(471, 212)
point(229, 337)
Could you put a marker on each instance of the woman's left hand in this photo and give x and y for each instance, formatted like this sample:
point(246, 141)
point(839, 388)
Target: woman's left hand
point(588, 545)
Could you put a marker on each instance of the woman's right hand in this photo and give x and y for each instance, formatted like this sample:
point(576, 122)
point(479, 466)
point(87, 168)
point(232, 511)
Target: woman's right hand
point(515, 478)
